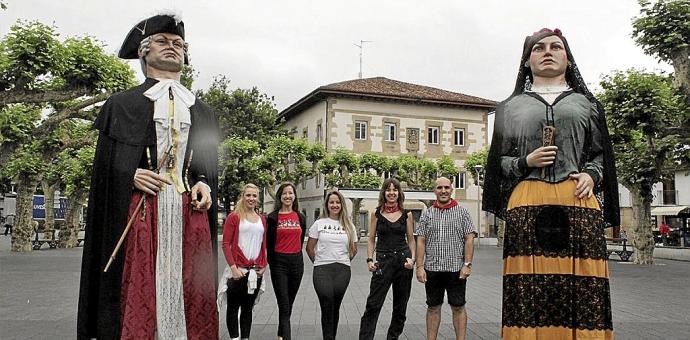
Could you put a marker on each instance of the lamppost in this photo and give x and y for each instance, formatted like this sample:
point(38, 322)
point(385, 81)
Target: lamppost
point(477, 170)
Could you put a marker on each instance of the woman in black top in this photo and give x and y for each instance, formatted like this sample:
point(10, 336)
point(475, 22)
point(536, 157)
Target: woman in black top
point(286, 227)
point(395, 253)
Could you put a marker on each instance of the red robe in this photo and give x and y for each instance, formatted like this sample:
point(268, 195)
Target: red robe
point(138, 294)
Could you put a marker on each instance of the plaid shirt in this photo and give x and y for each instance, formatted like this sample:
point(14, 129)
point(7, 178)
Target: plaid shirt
point(444, 231)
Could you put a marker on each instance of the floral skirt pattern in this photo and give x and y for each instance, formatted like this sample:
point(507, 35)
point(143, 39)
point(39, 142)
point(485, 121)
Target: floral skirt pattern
point(555, 272)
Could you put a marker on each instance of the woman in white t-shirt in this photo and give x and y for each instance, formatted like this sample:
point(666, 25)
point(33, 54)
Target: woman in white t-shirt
point(331, 246)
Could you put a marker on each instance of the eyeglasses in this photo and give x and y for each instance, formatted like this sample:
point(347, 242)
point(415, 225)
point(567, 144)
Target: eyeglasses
point(163, 42)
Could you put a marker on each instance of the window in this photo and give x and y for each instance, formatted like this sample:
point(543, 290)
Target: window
point(360, 130)
point(459, 137)
point(318, 132)
point(317, 180)
point(432, 135)
point(304, 133)
point(459, 180)
point(317, 213)
point(389, 132)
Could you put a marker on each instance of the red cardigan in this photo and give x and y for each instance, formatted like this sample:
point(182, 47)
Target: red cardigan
point(231, 249)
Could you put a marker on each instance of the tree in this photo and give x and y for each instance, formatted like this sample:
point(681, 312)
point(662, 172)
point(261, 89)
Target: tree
point(344, 169)
point(663, 31)
point(640, 105)
point(243, 113)
point(282, 159)
point(236, 168)
point(75, 164)
point(477, 158)
point(64, 79)
point(50, 184)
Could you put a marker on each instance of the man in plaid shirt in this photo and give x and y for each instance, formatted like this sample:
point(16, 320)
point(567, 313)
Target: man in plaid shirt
point(445, 234)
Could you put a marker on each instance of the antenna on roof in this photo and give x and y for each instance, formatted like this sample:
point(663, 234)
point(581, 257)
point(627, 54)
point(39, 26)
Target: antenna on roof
point(361, 45)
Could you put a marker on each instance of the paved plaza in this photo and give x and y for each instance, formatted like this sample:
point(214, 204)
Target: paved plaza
point(38, 300)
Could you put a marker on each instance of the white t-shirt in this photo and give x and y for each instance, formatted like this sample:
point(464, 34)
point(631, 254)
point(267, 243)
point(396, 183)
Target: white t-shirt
point(332, 245)
point(251, 237)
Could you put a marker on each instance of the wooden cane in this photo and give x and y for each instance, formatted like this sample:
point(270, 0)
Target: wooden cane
point(134, 215)
point(548, 136)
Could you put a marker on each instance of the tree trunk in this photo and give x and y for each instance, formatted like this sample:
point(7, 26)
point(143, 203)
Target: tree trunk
point(642, 237)
point(49, 201)
point(23, 228)
point(356, 205)
point(70, 233)
point(681, 68)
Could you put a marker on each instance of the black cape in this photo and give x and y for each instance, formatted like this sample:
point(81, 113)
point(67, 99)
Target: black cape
point(126, 131)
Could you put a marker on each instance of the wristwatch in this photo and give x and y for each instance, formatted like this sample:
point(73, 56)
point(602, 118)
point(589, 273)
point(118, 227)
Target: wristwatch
point(369, 259)
point(467, 264)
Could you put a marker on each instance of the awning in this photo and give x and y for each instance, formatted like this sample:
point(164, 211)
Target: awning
point(672, 210)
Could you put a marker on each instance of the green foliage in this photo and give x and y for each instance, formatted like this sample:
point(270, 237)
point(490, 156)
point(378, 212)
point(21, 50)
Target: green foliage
point(16, 122)
point(236, 169)
point(663, 28)
point(281, 159)
point(188, 75)
point(33, 58)
point(446, 167)
point(87, 65)
point(346, 159)
point(30, 50)
point(366, 180)
point(374, 161)
point(243, 113)
point(27, 161)
point(477, 158)
point(640, 105)
point(75, 168)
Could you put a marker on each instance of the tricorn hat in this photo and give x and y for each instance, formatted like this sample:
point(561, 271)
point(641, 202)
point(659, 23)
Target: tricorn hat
point(162, 23)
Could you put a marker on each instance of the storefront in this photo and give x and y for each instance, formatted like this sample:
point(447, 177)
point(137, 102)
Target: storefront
point(676, 217)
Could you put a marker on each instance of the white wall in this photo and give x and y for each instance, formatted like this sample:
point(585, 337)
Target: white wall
point(683, 186)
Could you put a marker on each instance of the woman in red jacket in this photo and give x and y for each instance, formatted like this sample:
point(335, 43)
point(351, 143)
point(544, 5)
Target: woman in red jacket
point(244, 246)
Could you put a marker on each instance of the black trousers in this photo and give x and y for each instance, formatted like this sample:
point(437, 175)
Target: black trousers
point(391, 271)
point(286, 276)
point(330, 283)
point(240, 300)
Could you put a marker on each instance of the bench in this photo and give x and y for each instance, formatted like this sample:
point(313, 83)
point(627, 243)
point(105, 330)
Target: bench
point(40, 238)
point(624, 254)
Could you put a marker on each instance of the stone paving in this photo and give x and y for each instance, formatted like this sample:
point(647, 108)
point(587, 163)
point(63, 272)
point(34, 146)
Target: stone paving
point(38, 300)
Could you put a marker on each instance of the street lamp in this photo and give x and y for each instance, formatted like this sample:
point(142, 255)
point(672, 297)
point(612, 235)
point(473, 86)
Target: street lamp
point(478, 169)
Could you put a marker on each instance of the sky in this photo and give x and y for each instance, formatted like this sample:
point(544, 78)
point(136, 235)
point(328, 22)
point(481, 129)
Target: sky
point(289, 48)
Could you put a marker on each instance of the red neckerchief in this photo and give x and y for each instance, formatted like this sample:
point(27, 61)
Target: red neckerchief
point(451, 204)
point(391, 208)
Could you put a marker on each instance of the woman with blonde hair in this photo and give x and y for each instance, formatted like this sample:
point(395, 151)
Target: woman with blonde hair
point(244, 246)
point(331, 246)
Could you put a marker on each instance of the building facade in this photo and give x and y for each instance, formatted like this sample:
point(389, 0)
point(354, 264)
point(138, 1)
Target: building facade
point(670, 204)
point(391, 118)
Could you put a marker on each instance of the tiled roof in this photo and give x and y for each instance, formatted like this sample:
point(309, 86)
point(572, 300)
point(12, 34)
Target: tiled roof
point(380, 88)
point(394, 88)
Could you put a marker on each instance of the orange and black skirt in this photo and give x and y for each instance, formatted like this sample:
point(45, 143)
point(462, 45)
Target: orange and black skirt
point(555, 272)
